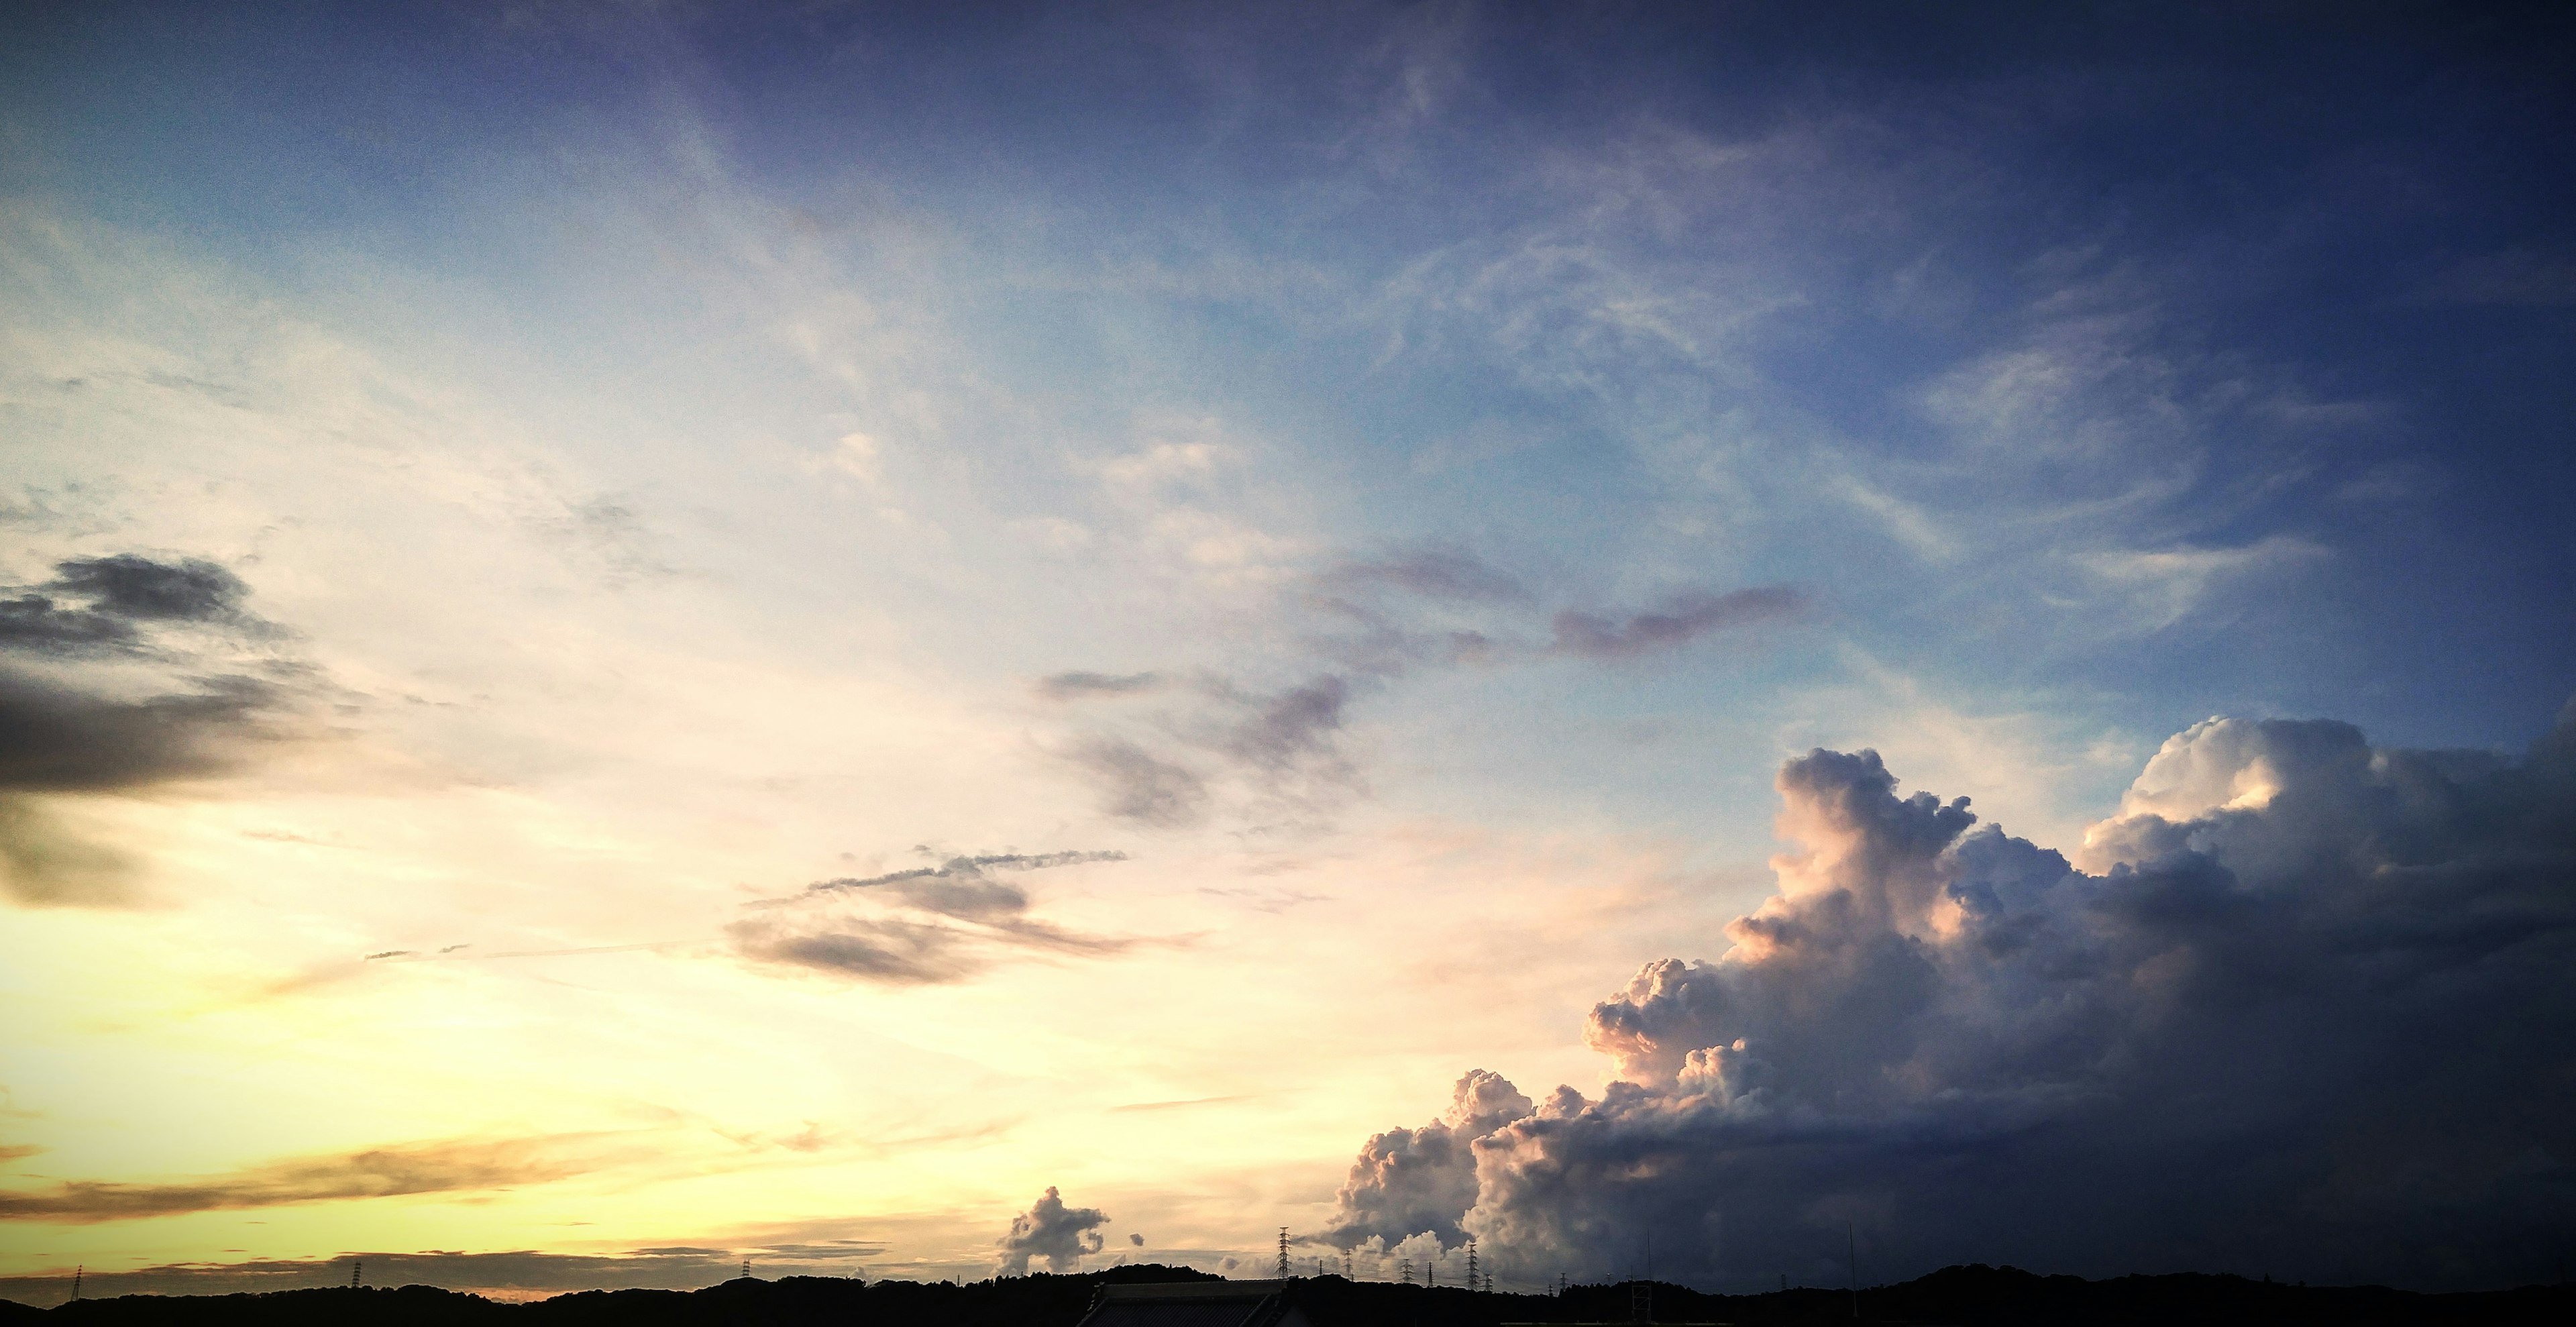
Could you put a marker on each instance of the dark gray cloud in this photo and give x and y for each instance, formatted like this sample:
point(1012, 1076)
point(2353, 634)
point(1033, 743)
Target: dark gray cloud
point(889, 951)
point(126, 585)
point(114, 595)
point(1052, 1231)
point(1433, 573)
point(1081, 686)
point(436, 1167)
point(34, 622)
point(1680, 620)
point(2310, 1010)
point(909, 939)
point(1138, 785)
point(59, 738)
point(56, 740)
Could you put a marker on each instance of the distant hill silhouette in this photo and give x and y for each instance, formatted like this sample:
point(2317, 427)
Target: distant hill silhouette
point(1971, 1296)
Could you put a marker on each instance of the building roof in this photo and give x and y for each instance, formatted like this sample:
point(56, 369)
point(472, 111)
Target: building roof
point(1194, 1304)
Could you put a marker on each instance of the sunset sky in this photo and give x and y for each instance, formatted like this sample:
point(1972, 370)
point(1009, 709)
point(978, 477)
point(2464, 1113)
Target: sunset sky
point(637, 635)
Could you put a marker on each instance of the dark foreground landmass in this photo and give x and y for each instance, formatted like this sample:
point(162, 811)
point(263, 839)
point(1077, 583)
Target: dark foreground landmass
point(1966, 1296)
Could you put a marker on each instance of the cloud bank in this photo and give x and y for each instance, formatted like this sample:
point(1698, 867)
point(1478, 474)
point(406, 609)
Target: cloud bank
point(1052, 1231)
point(2304, 1007)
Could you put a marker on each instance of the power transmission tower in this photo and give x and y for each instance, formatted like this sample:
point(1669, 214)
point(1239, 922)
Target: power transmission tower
point(1408, 1271)
point(1851, 1236)
point(1283, 1253)
point(1472, 1275)
point(77, 1269)
point(354, 1265)
point(1641, 1294)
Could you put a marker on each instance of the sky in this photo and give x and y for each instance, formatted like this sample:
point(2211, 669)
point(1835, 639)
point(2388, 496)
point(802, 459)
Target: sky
point(927, 641)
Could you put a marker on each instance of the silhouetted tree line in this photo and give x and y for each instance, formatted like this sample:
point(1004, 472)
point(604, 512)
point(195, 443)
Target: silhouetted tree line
point(1971, 1296)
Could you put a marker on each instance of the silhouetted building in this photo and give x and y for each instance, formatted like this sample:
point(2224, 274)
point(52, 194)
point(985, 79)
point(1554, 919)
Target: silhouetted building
point(1196, 1304)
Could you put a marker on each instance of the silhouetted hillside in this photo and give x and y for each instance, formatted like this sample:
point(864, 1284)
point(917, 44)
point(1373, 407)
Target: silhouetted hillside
point(1972, 1296)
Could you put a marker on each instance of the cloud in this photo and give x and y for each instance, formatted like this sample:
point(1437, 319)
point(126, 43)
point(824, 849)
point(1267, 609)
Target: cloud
point(1139, 785)
point(1435, 574)
point(1297, 724)
point(124, 593)
point(958, 887)
point(35, 622)
point(2168, 584)
point(2307, 1008)
point(1279, 755)
point(56, 739)
point(156, 700)
point(126, 585)
point(1052, 1231)
point(1084, 686)
point(1682, 619)
point(1414, 1181)
point(921, 948)
point(891, 952)
point(465, 1165)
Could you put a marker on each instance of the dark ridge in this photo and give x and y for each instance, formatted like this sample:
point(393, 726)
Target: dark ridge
point(1970, 1296)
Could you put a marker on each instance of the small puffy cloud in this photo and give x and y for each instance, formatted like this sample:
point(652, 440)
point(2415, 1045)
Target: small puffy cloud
point(1137, 1240)
point(1053, 1231)
point(2306, 1006)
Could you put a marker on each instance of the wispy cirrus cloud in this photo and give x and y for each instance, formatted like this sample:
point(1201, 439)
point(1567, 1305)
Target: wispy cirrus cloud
point(446, 1166)
point(923, 926)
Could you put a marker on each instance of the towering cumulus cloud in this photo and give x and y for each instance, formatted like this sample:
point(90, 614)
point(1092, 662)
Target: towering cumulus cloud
point(1052, 1231)
point(2303, 1007)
